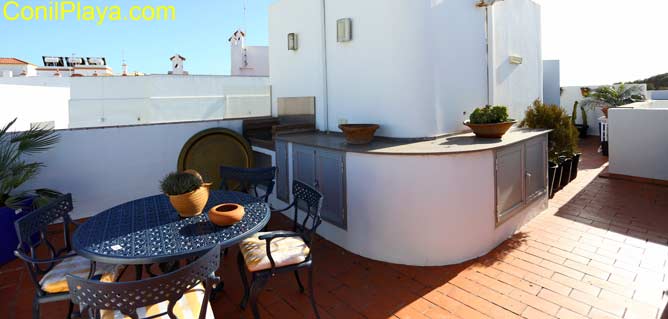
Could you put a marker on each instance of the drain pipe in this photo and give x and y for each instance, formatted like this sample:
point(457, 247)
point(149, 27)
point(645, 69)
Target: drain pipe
point(491, 61)
point(325, 86)
point(489, 37)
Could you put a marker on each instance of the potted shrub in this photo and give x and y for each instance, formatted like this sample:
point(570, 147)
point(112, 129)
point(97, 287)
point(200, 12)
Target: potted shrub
point(16, 170)
point(552, 168)
point(584, 127)
point(490, 121)
point(187, 192)
point(606, 97)
point(562, 140)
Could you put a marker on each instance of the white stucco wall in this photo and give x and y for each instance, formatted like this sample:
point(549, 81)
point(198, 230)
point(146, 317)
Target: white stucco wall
point(414, 67)
point(105, 101)
point(637, 141)
point(32, 100)
point(551, 82)
point(104, 167)
point(297, 73)
point(517, 32)
point(17, 69)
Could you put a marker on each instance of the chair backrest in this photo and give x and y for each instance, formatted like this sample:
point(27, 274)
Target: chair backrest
point(248, 179)
point(127, 297)
point(309, 200)
point(32, 232)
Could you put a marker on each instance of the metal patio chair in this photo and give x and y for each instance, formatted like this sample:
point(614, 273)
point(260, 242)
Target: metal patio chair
point(248, 179)
point(48, 274)
point(269, 253)
point(183, 293)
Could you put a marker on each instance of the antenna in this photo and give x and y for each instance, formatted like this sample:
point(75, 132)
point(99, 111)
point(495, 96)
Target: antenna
point(245, 9)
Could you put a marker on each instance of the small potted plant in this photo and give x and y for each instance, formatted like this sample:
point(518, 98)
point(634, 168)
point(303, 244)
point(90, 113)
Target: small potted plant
point(490, 121)
point(187, 192)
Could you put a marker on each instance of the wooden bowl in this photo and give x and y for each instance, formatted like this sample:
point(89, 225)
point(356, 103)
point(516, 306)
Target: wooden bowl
point(226, 214)
point(494, 130)
point(359, 134)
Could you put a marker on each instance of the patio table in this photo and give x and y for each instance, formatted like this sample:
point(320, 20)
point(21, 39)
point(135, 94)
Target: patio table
point(149, 230)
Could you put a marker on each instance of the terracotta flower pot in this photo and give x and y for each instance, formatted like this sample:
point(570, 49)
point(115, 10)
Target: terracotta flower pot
point(191, 204)
point(493, 130)
point(359, 134)
point(226, 214)
point(605, 111)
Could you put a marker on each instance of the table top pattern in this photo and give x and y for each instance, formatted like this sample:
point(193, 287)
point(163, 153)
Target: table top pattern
point(149, 230)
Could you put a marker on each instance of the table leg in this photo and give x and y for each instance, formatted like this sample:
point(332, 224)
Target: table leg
point(218, 287)
point(138, 271)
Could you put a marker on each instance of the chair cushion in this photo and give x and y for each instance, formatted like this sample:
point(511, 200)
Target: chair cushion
point(54, 281)
point(187, 307)
point(285, 251)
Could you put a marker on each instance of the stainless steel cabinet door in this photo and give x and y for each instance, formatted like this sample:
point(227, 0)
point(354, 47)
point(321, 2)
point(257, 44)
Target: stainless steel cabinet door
point(303, 159)
point(509, 181)
point(330, 181)
point(536, 168)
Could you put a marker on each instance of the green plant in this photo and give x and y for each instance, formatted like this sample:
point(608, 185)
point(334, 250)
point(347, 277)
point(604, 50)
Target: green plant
point(608, 96)
point(563, 138)
point(179, 183)
point(574, 114)
point(490, 114)
point(584, 116)
point(15, 170)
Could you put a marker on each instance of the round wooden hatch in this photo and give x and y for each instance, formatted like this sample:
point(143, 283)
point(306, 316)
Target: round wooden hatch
point(208, 150)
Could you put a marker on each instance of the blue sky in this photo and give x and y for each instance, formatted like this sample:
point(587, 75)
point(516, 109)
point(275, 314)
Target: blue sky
point(199, 33)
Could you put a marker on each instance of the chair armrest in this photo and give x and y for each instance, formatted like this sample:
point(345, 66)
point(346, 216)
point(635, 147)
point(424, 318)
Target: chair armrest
point(279, 234)
point(31, 260)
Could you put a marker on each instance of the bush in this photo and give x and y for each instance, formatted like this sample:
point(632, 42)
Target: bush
point(180, 183)
point(563, 139)
point(490, 114)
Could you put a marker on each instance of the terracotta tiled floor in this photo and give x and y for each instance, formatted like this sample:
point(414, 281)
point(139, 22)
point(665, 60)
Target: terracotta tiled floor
point(600, 251)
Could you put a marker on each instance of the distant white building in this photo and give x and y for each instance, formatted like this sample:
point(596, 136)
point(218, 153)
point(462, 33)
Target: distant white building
point(247, 60)
point(10, 67)
point(74, 66)
point(177, 65)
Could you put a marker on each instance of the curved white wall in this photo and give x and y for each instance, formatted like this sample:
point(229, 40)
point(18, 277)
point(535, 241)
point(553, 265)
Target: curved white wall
point(422, 210)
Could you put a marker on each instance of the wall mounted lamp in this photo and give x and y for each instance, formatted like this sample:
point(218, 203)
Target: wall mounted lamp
point(344, 30)
point(293, 42)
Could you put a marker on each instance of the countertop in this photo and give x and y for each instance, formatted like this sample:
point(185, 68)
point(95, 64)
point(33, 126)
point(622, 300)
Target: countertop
point(450, 144)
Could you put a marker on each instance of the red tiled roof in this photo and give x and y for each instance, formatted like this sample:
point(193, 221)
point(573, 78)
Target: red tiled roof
point(13, 61)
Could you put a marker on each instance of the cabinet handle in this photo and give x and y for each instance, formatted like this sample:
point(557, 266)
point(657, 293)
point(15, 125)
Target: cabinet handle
point(528, 174)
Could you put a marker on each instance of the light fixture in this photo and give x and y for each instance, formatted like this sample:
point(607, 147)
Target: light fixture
point(293, 43)
point(486, 3)
point(516, 59)
point(344, 30)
